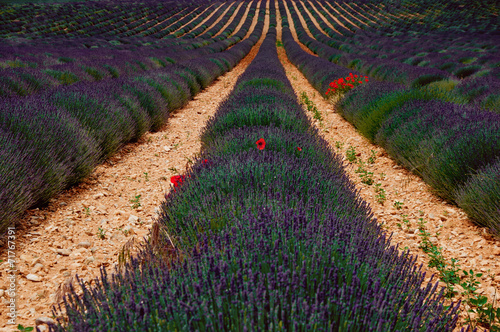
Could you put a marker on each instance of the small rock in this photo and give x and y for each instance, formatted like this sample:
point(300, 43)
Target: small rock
point(36, 261)
point(33, 277)
point(63, 203)
point(89, 260)
point(42, 328)
point(84, 244)
point(496, 251)
point(37, 268)
point(431, 216)
point(486, 234)
point(97, 196)
point(89, 233)
point(133, 219)
point(75, 266)
point(44, 320)
point(64, 252)
point(433, 239)
point(24, 258)
point(450, 210)
point(2, 292)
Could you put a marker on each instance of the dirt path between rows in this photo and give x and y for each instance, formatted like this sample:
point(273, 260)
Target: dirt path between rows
point(86, 226)
point(407, 197)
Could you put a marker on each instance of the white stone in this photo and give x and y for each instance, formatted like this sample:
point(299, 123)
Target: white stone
point(133, 219)
point(44, 320)
point(84, 244)
point(33, 277)
point(63, 252)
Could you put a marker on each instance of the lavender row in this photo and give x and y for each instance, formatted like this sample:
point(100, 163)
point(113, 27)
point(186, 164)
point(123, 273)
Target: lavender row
point(215, 16)
point(376, 55)
point(445, 143)
point(24, 81)
point(236, 20)
point(453, 147)
point(377, 68)
point(267, 237)
point(62, 134)
point(89, 19)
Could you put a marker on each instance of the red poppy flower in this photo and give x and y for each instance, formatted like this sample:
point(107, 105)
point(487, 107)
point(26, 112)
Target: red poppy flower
point(355, 75)
point(299, 149)
point(261, 144)
point(326, 93)
point(177, 180)
point(347, 78)
point(366, 80)
point(205, 161)
point(352, 86)
point(360, 81)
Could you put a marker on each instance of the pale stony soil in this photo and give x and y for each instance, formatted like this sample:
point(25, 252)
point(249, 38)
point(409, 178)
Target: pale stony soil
point(61, 240)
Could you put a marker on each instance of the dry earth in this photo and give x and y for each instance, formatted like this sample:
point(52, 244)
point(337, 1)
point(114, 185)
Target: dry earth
point(86, 226)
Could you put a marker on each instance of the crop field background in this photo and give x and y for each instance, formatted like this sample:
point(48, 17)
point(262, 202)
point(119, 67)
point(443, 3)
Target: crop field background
point(250, 165)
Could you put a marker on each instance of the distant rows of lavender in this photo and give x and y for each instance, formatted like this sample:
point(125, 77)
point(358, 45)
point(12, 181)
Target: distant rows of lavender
point(442, 122)
point(268, 237)
point(102, 98)
point(41, 64)
point(399, 46)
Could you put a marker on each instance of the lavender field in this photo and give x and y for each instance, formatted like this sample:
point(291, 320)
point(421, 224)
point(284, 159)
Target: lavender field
point(264, 230)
